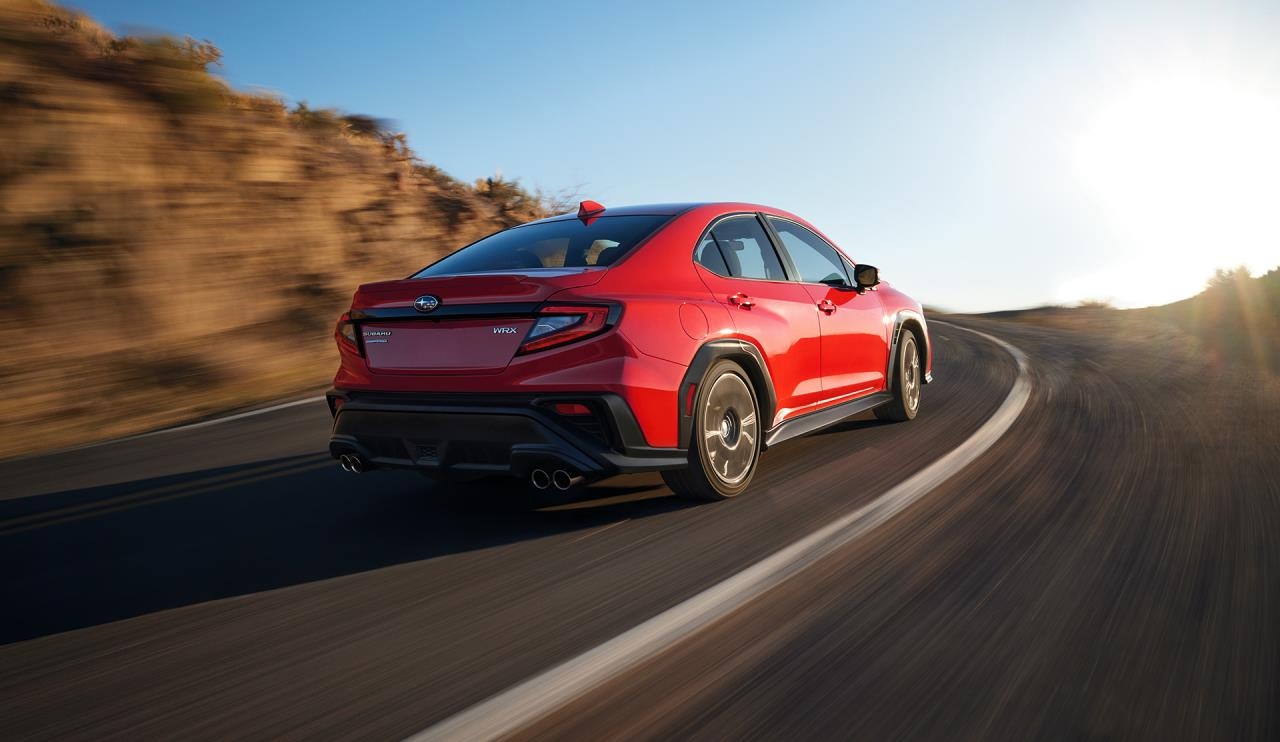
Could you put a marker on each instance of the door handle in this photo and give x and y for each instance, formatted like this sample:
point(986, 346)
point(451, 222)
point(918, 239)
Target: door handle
point(828, 306)
point(742, 300)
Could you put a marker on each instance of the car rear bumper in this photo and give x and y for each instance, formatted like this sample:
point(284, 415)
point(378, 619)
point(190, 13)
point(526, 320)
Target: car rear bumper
point(461, 436)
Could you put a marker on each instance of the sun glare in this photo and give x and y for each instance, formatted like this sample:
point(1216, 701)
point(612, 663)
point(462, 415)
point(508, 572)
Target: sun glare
point(1185, 171)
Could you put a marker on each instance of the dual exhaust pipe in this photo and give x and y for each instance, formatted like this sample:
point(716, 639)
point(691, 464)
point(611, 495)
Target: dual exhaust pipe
point(561, 479)
point(352, 463)
point(540, 478)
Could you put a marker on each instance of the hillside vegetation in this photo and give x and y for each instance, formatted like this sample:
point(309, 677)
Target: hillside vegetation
point(171, 247)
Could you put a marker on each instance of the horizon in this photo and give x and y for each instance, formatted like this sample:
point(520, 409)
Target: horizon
point(1116, 152)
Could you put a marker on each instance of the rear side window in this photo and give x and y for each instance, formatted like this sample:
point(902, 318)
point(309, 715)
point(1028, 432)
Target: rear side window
point(567, 243)
point(739, 247)
point(815, 259)
point(709, 257)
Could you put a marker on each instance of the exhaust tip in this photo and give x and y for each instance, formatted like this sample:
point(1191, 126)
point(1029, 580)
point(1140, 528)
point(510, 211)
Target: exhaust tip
point(351, 463)
point(564, 481)
point(540, 479)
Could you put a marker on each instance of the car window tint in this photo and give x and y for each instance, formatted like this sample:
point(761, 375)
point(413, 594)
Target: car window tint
point(746, 250)
point(848, 267)
point(550, 253)
point(814, 258)
point(555, 244)
point(708, 256)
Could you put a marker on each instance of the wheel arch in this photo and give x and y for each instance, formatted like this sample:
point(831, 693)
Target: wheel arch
point(911, 321)
point(749, 358)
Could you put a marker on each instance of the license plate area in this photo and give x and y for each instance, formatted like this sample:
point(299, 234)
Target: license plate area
point(444, 346)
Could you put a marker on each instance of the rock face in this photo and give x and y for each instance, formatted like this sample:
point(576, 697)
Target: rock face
point(170, 247)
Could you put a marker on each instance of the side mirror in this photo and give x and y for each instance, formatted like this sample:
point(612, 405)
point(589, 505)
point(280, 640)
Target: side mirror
point(866, 276)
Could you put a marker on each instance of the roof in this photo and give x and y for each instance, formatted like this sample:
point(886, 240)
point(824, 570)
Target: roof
point(635, 210)
point(673, 209)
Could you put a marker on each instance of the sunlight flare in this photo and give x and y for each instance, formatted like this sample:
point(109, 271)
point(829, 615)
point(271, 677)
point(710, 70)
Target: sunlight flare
point(1185, 171)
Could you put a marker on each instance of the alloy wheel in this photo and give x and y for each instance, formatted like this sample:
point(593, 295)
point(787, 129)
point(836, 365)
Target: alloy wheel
point(730, 428)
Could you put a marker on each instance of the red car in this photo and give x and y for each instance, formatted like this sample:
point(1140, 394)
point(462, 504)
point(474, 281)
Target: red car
point(681, 338)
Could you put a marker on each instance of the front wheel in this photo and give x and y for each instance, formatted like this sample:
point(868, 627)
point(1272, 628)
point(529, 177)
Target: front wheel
point(904, 383)
point(726, 437)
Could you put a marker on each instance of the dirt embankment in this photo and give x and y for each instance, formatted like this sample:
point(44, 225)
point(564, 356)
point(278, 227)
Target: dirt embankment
point(170, 247)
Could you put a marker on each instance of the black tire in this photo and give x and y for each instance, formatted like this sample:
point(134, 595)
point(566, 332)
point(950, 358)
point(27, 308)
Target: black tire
point(724, 449)
point(905, 382)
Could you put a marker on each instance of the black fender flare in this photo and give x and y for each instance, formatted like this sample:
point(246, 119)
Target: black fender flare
point(908, 319)
point(746, 355)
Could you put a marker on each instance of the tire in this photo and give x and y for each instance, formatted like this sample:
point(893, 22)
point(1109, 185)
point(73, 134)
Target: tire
point(906, 381)
point(724, 450)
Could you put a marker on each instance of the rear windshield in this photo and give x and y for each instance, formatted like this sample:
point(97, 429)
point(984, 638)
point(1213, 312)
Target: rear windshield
point(566, 243)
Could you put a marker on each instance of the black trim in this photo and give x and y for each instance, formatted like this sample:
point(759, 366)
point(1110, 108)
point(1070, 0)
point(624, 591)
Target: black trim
point(788, 265)
point(478, 434)
point(745, 355)
point(900, 320)
point(453, 311)
point(805, 424)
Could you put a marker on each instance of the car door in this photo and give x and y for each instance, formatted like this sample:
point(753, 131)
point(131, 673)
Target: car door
point(855, 351)
point(740, 267)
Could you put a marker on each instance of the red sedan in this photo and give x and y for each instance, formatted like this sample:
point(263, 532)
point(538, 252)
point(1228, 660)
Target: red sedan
point(681, 338)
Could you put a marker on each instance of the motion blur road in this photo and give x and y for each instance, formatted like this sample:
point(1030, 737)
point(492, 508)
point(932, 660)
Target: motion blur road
point(1107, 570)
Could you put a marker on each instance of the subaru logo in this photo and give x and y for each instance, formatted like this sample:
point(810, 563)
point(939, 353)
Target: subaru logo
point(426, 303)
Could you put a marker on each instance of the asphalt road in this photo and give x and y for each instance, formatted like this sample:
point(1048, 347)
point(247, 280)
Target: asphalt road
point(1109, 570)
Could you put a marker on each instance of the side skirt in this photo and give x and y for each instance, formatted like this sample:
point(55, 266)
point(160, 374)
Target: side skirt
point(806, 424)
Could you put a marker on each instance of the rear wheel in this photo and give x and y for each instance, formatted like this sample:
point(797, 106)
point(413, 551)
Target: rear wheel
point(905, 382)
point(726, 437)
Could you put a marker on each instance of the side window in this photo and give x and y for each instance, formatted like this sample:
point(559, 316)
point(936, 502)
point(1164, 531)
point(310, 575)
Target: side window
point(709, 257)
point(817, 261)
point(848, 268)
point(745, 249)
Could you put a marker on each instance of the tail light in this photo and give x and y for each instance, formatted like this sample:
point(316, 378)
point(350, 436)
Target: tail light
point(347, 334)
point(560, 324)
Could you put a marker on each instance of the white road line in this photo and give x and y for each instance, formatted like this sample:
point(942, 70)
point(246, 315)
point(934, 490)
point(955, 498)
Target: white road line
point(533, 699)
point(163, 431)
point(238, 416)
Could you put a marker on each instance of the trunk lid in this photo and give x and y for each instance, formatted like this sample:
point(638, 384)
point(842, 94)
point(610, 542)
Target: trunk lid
point(476, 326)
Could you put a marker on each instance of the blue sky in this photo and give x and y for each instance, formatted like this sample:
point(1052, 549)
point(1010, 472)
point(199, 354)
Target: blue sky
point(984, 155)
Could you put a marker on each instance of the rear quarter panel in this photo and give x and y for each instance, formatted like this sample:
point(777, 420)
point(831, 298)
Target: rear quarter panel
point(669, 312)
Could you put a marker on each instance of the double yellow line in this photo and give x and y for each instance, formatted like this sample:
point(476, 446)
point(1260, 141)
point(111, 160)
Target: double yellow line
point(153, 495)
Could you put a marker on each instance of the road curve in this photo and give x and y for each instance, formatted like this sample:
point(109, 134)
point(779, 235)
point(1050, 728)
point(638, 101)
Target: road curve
point(228, 581)
point(530, 701)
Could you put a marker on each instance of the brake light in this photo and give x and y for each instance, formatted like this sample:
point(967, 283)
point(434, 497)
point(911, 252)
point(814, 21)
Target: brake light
point(346, 333)
point(560, 324)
